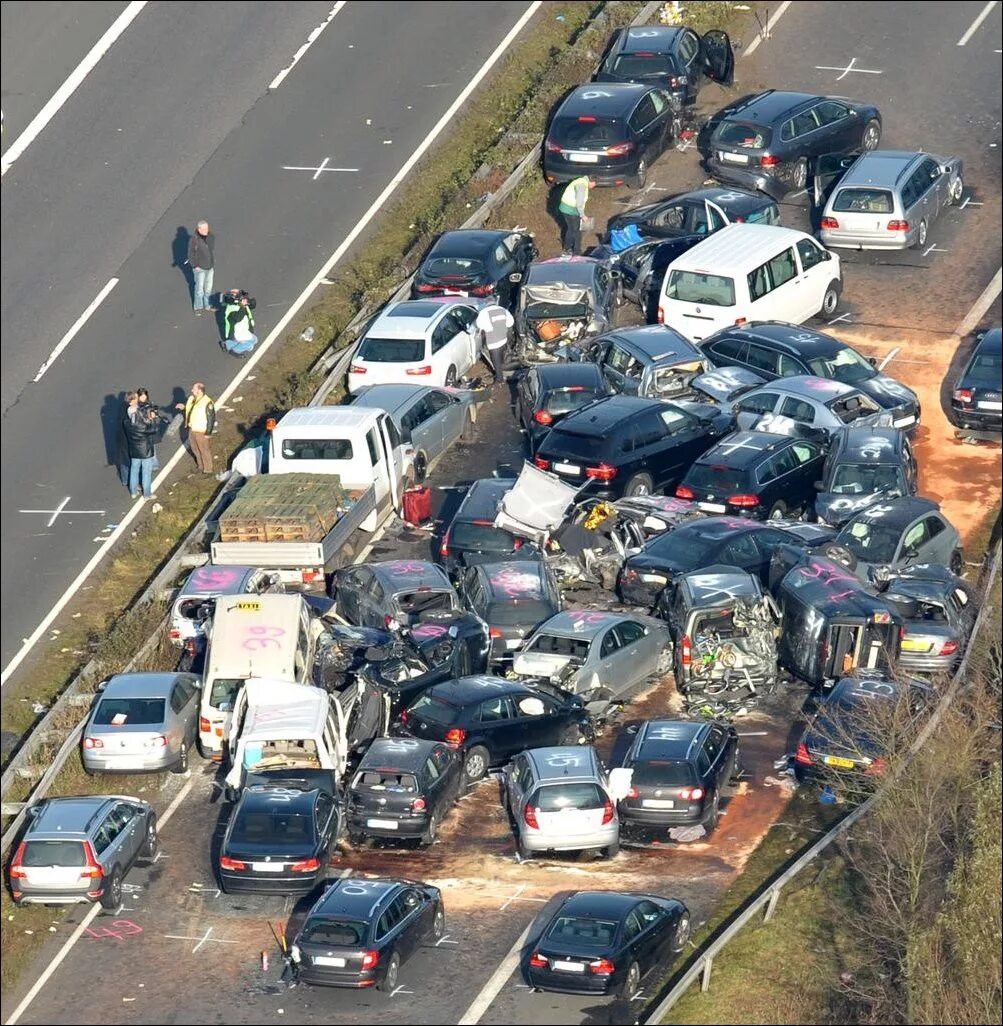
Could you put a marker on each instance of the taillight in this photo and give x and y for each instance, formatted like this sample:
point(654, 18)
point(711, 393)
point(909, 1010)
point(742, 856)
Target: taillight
point(828, 222)
point(174, 634)
point(602, 967)
point(898, 226)
point(587, 119)
point(542, 417)
point(416, 372)
point(309, 576)
point(418, 805)
point(516, 544)
point(357, 368)
point(768, 161)
point(537, 961)
point(620, 150)
point(802, 756)
point(493, 632)
point(481, 290)
point(306, 866)
point(529, 815)
point(204, 725)
point(16, 871)
point(691, 794)
point(234, 865)
point(963, 395)
point(455, 737)
point(877, 767)
point(92, 870)
point(160, 741)
point(370, 959)
point(552, 147)
point(607, 812)
point(93, 742)
point(739, 321)
point(604, 472)
point(685, 492)
point(633, 792)
point(424, 287)
point(444, 547)
point(661, 315)
point(539, 461)
point(687, 650)
point(403, 716)
point(949, 648)
point(745, 501)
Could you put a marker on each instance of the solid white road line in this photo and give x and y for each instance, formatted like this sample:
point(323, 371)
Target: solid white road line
point(499, 977)
point(77, 325)
point(310, 40)
point(66, 90)
point(888, 359)
point(125, 523)
point(989, 296)
point(84, 923)
point(767, 30)
point(974, 27)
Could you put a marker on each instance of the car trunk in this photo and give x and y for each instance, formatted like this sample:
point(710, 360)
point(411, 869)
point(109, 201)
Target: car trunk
point(568, 810)
point(555, 315)
point(857, 645)
point(385, 797)
point(664, 786)
point(55, 866)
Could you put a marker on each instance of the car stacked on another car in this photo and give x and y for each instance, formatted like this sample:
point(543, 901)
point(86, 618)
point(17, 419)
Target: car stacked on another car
point(399, 591)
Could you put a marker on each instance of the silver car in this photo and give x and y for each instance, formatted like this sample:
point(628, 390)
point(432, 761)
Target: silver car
point(586, 651)
point(560, 800)
point(80, 849)
point(142, 723)
point(886, 199)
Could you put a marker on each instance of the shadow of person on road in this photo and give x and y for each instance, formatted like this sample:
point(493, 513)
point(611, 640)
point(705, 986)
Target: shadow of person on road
point(179, 258)
point(116, 452)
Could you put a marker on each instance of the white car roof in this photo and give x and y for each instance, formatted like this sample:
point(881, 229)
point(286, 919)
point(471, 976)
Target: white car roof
point(737, 249)
point(277, 710)
point(340, 417)
point(393, 322)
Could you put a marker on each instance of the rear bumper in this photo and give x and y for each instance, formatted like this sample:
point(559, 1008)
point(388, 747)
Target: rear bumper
point(836, 238)
point(38, 897)
point(754, 178)
point(131, 763)
point(978, 420)
point(321, 977)
point(916, 662)
point(569, 983)
point(409, 828)
point(535, 840)
point(634, 816)
point(556, 169)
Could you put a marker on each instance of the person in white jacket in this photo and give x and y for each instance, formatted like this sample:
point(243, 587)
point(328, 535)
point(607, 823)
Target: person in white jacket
point(494, 325)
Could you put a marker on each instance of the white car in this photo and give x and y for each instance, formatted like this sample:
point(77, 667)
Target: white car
point(417, 342)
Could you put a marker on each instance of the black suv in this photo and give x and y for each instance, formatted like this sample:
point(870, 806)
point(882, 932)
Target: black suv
point(624, 445)
point(755, 474)
point(489, 719)
point(865, 465)
point(770, 141)
point(977, 398)
point(611, 132)
point(472, 537)
point(774, 349)
point(549, 392)
point(678, 769)
point(403, 788)
point(362, 931)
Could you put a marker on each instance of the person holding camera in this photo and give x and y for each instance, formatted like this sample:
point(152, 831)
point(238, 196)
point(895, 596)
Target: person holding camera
point(238, 319)
point(141, 429)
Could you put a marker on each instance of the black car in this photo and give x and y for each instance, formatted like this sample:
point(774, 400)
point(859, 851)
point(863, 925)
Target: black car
point(672, 57)
point(865, 465)
point(549, 392)
point(977, 398)
point(278, 839)
point(697, 214)
point(678, 769)
point(403, 788)
point(361, 932)
point(755, 474)
point(729, 541)
point(472, 537)
point(399, 591)
point(604, 942)
point(610, 131)
point(774, 350)
point(513, 599)
point(475, 262)
point(489, 719)
point(624, 445)
point(770, 141)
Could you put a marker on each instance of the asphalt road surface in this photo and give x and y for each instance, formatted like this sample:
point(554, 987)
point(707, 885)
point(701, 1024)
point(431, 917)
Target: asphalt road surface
point(169, 127)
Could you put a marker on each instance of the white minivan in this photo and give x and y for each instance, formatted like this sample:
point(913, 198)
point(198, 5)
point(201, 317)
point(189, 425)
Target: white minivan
point(749, 272)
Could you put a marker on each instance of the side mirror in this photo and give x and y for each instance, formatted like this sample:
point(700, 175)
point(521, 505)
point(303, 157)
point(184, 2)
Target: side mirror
point(819, 486)
point(873, 362)
point(454, 632)
point(828, 255)
point(102, 685)
point(515, 277)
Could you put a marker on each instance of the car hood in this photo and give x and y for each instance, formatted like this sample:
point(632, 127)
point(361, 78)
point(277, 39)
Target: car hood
point(888, 393)
point(836, 510)
point(536, 504)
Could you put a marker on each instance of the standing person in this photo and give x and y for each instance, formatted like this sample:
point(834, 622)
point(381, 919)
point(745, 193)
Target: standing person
point(201, 247)
point(238, 318)
point(140, 431)
point(200, 420)
point(572, 209)
point(129, 410)
point(159, 418)
point(493, 325)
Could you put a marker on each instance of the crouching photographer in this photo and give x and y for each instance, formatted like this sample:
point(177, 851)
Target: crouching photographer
point(238, 320)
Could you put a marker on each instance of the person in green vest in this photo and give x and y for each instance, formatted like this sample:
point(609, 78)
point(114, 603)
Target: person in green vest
point(572, 209)
point(238, 318)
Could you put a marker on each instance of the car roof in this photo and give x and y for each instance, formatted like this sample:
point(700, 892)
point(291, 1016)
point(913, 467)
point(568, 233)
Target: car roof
point(406, 753)
point(674, 738)
point(588, 904)
point(737, 249)
point(792, 338)
point(730, 200)
point(260, 797)
point(821, 583)
point(603, 416)
point(581, 623)
point(140, 685)
point(881, 168)
point(562, 270)
point(465, 690)
point(334, 417)
point(410, 574)
point(657, 342)
point(483, 496)
point(849, 687)
point(602, 99)
point(411, 318)
point(564, 762)
point(897, 512)
point(355, 897)
point(743, 449)
point(807, 386)
point(513, 580)
point(648, 39)
point(870, 444)
point(61, 816)
point(217, 580)
point(991, 342)
point(770, 106)
point(720, 585)
point(563, 375)
point(467, 242)
point(391, 398)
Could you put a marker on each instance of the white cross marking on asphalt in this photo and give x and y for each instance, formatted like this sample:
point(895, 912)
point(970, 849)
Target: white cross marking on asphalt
point(60, 509)
point(319, 169)
point(201, 940)
point(841, 317)
point(727, 448)
point(933, 249)
point(845, 71)
point(969, 202)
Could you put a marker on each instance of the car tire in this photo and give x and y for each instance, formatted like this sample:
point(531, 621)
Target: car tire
point(111, 897)
point(391, 975)
point(152, 843)
point(957, 564)
point(420, 466)
point(871, 135)
point(839, 554)
point(356, 838)
point(204, 752)
point(611, 850)
point(439, 923)
point(450, 381)
point(682, 937)
point(777, 511)
point(921, 235)
point(955, 192)
point(467, 434)
point(181, 766)
point(664, 663)
point(639, 484)
point(475, 765)
point(830, 299)
point(631, 982)
point(713, 817)
point(431, 831)
point(735, 773)
point(639, 179)
point(799, 177)
point(525, 854)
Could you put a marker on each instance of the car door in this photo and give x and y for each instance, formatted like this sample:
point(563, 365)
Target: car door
point(327, 824)
point(840, 129)
point(728, 352)
point(802, 478)
point(128, 833)
point(496, 720)
point(827, 171)
point(715, 746)
point(450, 413)
point(613, 661)
point(689, 440)
point(638, 942)
point(517, 779)
point(934, 188)
point(526, 395)
point(375, 607)
point(816, 273)
point(751, 408)
point(939, 543)
point(540, 721)
point(691, 63)
point(787, 299)
point(350, 587)
point(718, 57)
point(460, 346)
point(642, 124)
point(613, 366)
point(741, 551)
point(637, 649)
point(659, 922)
point(407, 909)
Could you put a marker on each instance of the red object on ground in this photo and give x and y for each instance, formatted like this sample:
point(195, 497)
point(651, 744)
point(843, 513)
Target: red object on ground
point(418, 505)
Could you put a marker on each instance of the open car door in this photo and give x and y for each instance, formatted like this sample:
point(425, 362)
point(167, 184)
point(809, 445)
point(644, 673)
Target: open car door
point(827, 171)
point(718, 57)
point(536, 504)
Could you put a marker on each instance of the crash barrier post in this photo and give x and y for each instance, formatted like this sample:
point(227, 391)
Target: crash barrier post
point(702, 961)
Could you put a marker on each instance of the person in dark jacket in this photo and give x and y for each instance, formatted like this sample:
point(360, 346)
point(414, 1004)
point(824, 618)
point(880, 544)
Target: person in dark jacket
point(201, 247)
point(141, 432)
point(122, 444)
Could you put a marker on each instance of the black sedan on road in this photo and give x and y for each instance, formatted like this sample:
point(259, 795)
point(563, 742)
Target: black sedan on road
point(362, 931)
point(475, 262)
point(605, 942)
point(770, 141)
point(697, 213)
point(977, 398)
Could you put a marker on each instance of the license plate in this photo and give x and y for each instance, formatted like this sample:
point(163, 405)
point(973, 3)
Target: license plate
point(904, 421)
point(657, 803)
point(985, 404)
point(838, 760)
point(267, 867)
point(567, 468)
point(453, 292)
point(513, 643)
point(584, 158)
point(913, 645)
point(713, 507)
point(382, 824)
point(652, 578)
point(570, 967)
point(734, 158)
point(335, 963)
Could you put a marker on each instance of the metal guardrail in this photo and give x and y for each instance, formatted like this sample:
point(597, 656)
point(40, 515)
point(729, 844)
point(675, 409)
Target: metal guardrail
point(702, 962)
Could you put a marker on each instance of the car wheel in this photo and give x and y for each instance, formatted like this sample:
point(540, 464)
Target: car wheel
point(631, 982)
point(920, 236)
point(957, 562)
point(736, 767)
point(777, 511)
point(420, 466)
point(872, 136)
point(202, 750)
point(152, 843)
point(839, 554)
point(612, 850)
point(439, 923)
point(181, 766)
point(467, 434)
point(664, 660)
point(475, 766)
point(799, 178)
point(641, 176)
point(451, 377)
point(356, 838)
point(639, 484)
point(111, 898)
point(525, 854)
point(388, 982)
point(682, 937)
point(713, 817)
point(428, 837)
point(830, 300)
point(957, 188)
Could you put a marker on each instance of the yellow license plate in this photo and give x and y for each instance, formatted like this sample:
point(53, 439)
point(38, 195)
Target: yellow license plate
point(248, 607)
point(838, 760)
point(913, 645)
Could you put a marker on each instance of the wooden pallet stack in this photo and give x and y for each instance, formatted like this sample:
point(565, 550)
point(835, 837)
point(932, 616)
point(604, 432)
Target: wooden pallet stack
point(286, 507)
